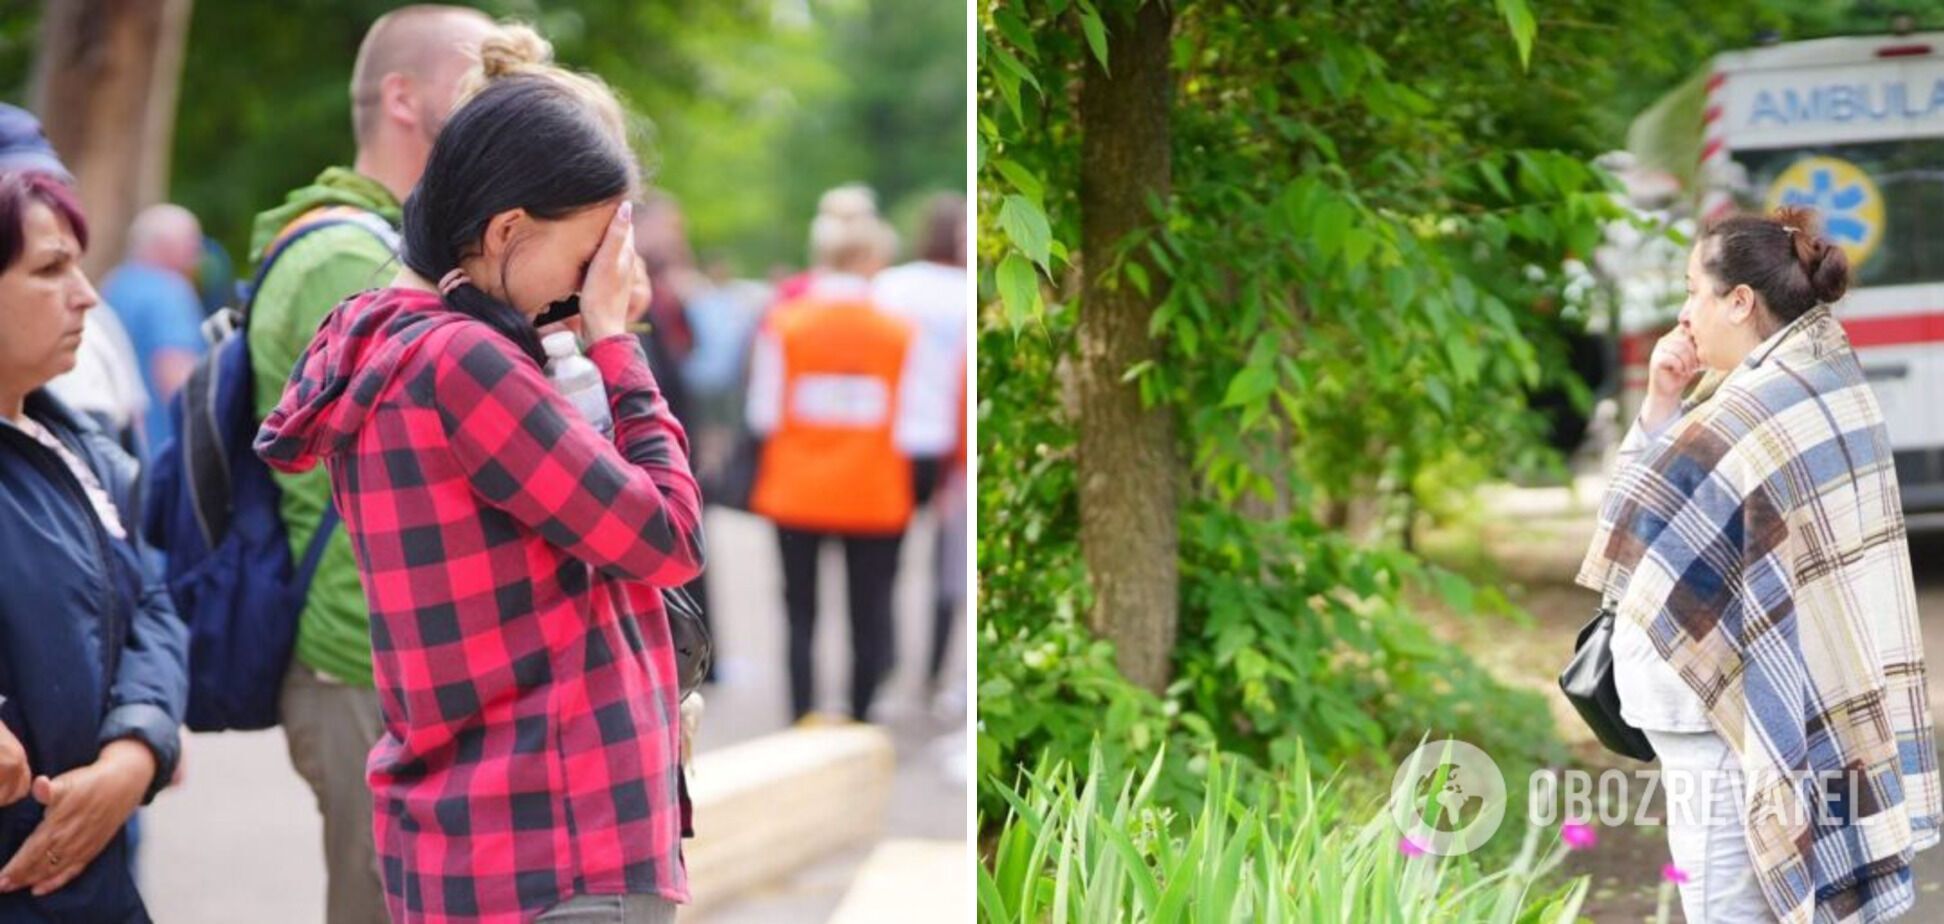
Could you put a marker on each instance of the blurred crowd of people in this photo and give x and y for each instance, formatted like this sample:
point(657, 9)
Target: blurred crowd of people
point(829, 401)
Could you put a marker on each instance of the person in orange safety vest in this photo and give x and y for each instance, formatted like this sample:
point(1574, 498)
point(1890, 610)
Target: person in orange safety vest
point(842, 395)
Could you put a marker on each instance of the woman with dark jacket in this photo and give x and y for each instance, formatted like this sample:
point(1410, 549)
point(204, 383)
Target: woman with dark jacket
point(92, 656)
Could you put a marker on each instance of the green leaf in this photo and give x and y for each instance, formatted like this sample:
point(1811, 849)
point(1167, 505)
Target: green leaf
point(1399, 287)
point(1357, 244)
point(1025, 225)
point(1018, 290)
point(1009, 75)
point(1250, 385)
point(1333, 218)
point(1090, 23)
point(1518, 18)
point(1016, 31)
point(1023, 180)
point(1495, 178)
point(1465, 359)
point(1138, 275)
point(1009, 91)
point(1439, 393)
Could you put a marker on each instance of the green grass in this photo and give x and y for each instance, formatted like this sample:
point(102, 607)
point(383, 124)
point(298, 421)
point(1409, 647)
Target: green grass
point(1261, 849)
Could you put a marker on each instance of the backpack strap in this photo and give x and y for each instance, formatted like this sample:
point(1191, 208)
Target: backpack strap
point(204, 453)
point(314, 552)
point(316, 220)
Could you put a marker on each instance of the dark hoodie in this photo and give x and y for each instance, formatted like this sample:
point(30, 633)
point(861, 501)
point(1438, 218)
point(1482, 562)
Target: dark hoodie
point(513, 559)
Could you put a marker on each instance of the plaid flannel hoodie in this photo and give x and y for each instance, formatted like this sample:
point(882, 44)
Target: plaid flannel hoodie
point(511, 556)
point(1760, 543)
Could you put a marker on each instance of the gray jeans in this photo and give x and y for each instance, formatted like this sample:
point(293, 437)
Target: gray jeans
point(331, 728)
point(610, 909)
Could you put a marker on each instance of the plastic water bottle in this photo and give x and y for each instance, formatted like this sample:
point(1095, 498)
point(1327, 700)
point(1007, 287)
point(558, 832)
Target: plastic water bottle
point(578, 380)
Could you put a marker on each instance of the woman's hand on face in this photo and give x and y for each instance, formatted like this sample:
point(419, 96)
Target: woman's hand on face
point(86, 807)
point(15, 775)
point(607, 294)
point(1673, 365)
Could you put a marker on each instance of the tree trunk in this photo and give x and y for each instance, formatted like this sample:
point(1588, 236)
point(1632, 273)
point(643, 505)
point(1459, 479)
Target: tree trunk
point(105, 89)
point(1129, 472)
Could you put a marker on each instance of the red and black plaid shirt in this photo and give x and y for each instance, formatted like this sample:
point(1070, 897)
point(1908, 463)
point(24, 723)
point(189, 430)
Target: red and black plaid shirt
point(511, 556)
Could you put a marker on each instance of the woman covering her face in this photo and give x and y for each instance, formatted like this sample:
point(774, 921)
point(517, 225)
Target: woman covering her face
point(512, 554)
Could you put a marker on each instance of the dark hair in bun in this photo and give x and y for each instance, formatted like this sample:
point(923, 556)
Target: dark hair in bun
point(1780, 257)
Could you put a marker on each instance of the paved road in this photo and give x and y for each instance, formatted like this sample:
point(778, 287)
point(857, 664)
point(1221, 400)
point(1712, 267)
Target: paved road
point(238, 842)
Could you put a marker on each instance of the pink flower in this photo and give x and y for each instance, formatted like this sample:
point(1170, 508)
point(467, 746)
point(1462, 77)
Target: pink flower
point(1674, 874)
point(1409, 847)
point(1578, 835)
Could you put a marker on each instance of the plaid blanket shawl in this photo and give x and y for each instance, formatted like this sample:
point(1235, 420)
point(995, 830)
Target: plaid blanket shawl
point(1760, 543)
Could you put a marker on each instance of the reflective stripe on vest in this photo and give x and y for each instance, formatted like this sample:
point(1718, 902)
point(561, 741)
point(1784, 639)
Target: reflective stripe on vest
point(832, 463)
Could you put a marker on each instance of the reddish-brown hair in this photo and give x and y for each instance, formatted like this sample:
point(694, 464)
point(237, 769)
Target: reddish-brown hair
point(18, 190)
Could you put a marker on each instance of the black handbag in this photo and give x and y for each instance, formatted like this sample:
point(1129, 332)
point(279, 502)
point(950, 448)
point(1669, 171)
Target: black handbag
point(1588, 684)
point(689, 632)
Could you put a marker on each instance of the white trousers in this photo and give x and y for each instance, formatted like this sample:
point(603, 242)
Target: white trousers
point(1702, 781)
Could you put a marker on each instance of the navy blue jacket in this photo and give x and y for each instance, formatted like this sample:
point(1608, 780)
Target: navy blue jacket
point(90, 646)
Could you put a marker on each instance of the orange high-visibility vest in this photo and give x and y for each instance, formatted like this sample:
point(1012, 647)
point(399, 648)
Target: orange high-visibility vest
point(832, 463)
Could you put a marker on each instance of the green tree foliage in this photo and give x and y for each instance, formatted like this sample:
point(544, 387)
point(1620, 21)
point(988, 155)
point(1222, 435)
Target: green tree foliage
point(757, 106)
point(1373, 205)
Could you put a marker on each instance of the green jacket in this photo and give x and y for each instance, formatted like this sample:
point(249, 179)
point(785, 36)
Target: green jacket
point(309, 279)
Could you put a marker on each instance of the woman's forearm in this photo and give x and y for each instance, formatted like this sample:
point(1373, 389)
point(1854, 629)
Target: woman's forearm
point(1657, 411)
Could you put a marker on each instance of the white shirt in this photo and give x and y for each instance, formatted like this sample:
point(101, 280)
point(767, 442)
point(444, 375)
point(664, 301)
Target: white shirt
point(1652, 694)
point(104, 506)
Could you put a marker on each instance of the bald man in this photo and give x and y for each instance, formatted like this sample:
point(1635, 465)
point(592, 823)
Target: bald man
point(156, 302)
point(402, 89)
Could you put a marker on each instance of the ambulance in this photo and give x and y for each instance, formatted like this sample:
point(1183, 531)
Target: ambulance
point(1852, 127)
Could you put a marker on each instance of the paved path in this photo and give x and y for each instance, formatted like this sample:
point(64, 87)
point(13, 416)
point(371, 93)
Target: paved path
point(238, 842)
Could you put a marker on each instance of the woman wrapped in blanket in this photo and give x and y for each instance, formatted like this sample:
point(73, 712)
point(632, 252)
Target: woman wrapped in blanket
point(512, 554)
point(1752, 543)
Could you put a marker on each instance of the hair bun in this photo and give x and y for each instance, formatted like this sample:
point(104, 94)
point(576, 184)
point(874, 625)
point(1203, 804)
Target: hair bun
point(1825, 264)
point(513, 49)
point(1828, 272)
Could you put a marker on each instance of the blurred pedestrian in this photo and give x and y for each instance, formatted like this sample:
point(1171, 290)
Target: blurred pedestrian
point(839, 210)
point(513, 555)
point(153, 296)
point(92, 657)
point(841, 394)
point(932, 293)
point(341, 234)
